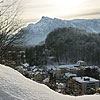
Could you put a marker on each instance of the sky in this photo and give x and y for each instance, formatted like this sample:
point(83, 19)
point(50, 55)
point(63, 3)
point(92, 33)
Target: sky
point(33, 10)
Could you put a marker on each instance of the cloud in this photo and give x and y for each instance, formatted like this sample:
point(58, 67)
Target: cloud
point(89, 14)
point(95, 14)
point(38, 8)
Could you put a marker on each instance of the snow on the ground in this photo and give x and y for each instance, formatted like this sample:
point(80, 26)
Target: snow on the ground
point(13, 85)
point(6, 96)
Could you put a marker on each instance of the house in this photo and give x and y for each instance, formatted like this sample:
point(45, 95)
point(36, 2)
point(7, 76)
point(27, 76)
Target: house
point(69, 75)
point(18, 67)
point(86, 84)
point(25, 65)
point(32, 68)
point(80, 63)
point(46, 80)
point(71, 67)
point(68, 67)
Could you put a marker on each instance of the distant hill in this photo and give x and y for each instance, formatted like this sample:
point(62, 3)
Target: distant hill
point(34, 34)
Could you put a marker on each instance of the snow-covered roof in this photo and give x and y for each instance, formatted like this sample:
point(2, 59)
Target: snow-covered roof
point(80, 61)
point(38, 73)
point(37, 69)
point(70, 75)
point(68, 67)
point(73, 67)
point(49, 67)
point(85, 79)
point(33, 67)
point(25, 65)
point(15, 86)
point(46, 80)
point(19, 67)
point(92, 67)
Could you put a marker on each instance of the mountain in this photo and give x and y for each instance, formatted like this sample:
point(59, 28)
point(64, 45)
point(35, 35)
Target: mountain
point(14, 86)
point(34, 34)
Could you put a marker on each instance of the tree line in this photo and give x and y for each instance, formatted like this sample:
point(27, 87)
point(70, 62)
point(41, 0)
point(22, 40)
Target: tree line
point(9, 24)
point(67, 45)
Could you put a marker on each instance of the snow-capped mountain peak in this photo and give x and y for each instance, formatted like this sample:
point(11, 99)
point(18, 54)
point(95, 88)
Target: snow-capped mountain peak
point(34, 34)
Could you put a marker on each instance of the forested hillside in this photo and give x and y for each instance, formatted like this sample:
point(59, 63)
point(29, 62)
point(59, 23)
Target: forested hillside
point(69, 45)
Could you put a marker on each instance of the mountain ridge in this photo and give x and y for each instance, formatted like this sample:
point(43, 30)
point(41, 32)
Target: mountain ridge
point(34, 34)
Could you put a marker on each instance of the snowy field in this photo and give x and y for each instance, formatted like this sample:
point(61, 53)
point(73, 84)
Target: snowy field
point(14, 86)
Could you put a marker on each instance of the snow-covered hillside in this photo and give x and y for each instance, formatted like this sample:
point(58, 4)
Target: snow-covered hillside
point(14, 86)
point(36, 33)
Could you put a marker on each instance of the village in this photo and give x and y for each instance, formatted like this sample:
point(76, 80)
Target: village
point(73, 79)
point(64, 78)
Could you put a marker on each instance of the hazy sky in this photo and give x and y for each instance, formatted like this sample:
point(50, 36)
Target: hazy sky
point(65, 9)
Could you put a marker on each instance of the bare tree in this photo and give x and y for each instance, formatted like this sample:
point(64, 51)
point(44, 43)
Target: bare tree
point(9, 24)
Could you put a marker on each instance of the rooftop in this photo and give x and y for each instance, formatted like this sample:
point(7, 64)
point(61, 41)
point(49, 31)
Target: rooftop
point(85, 79)
point(70, 75)
point(70, 67)
point(25, 64)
